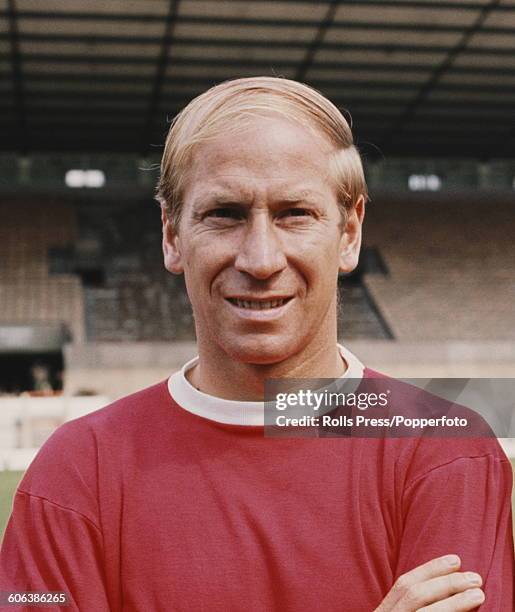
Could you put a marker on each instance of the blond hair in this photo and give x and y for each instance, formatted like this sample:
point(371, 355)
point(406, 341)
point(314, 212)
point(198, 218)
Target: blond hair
point(232, 105)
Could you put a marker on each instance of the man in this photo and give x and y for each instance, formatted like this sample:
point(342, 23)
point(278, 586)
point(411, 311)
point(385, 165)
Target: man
point(172, 498)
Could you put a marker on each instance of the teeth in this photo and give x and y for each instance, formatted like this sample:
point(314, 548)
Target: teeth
point(255, 305)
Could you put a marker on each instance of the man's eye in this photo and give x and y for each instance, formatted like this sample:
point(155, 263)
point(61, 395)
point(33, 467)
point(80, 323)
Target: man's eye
point(225, 213)
point(296, 212)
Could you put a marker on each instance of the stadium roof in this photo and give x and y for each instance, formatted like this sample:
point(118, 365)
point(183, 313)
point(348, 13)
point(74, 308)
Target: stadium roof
point(419, 77)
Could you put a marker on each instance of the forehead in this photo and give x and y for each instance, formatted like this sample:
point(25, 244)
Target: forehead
point(272, 153)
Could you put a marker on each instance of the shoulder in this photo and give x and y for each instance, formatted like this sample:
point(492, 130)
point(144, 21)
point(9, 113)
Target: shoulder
point(112, 421)
point(419, 452)
point(66, 468)
point(125, 412)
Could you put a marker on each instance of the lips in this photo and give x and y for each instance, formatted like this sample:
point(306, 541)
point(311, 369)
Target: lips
point(259, 304)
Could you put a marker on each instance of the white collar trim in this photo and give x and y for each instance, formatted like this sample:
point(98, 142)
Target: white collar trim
point(234, 412)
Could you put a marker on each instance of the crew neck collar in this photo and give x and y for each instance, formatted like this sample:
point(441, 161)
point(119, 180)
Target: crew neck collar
point(233, 412)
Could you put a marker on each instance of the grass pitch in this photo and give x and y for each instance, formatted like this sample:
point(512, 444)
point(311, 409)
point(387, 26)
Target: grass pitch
point(8, 483)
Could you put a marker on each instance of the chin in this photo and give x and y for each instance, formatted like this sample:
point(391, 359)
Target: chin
point(260, 350)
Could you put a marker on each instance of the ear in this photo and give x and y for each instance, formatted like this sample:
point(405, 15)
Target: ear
point(171, 247)
point(350, 241)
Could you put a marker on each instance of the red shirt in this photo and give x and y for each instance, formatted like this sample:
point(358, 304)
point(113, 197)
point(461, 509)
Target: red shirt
point(143, 506)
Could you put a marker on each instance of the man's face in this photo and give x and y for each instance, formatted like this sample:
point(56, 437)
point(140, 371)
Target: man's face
point(261, 241)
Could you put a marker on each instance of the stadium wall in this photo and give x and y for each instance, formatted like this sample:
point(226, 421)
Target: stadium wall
point(116, 369)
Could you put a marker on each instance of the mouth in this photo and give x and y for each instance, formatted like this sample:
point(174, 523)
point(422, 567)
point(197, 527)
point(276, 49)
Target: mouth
point(269, 304)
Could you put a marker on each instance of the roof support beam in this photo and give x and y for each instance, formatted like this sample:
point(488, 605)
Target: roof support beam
point(173, 9)
point(229, 21)
point(317, 42)
point(46, 76)
point(423, 4)
point(17, 78)
point(191, 87)
point(435, 78)
point(180, 98)
point(232, 43)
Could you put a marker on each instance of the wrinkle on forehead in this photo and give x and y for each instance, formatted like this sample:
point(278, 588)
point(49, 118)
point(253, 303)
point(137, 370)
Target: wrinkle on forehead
point(245, 193)
point(261, 158)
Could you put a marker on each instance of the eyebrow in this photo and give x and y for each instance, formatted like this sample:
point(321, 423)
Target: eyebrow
point(303, 196)
point(218, 197)
point(235, 197)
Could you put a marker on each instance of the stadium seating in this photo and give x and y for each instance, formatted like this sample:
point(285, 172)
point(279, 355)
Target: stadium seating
point(450, 265)
point(448, 272)
point(28, 293)
point(139, 299)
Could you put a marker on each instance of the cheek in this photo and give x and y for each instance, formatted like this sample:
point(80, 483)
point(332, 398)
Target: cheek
point(317, 258)
point(203, 269)
point(194, 276)
point(197, 256)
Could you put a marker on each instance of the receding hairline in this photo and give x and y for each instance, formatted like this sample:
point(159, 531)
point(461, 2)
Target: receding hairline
point(232, 104)
point(326, 147)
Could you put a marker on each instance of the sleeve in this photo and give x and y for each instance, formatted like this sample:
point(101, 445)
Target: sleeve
point(53, 540)
point(47, 547)
point(464, 507)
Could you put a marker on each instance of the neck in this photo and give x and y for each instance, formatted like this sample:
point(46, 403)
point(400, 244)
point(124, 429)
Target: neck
point(220, 375)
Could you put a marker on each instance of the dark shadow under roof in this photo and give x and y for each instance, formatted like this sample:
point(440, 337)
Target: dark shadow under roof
point(420, 78)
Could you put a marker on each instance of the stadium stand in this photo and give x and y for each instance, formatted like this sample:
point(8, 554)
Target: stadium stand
point(450, 264)
point(100, 271)
point(139, 300)
point(132, 297)
point(28, 292)
point(359, 317)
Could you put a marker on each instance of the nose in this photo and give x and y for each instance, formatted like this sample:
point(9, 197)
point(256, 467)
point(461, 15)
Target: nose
point(260, 252)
